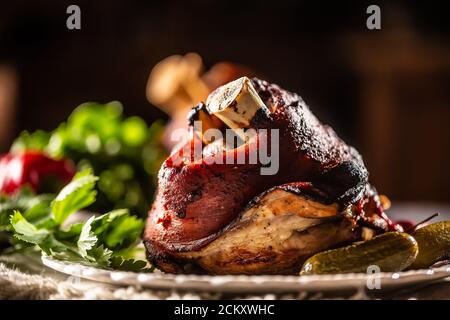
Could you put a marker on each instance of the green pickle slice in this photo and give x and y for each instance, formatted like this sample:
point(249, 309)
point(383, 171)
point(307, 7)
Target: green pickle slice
point(391, 252)
point(434, 244)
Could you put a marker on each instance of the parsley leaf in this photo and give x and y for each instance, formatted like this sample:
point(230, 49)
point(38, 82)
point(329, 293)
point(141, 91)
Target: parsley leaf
point(101, 256)
point(118, 229)
point(78, 194)
point(129, 265)
point(106, 241)
point(36, 208)
point(26, 231)
point(87, 238)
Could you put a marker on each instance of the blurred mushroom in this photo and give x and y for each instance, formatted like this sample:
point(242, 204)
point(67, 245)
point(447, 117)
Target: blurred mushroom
point(177, 83)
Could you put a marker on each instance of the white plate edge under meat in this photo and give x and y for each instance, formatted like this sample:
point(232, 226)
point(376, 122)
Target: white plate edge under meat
point(246, 283)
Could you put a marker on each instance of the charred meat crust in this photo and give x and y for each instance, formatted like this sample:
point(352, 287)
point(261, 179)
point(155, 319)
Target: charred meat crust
point(342, 172)
point(194, 113)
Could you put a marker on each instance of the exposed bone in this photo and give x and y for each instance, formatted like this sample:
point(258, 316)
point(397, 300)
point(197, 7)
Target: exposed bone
point(235, 103)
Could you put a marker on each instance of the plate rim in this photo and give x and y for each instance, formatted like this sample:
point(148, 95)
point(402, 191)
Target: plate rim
point(243, 283)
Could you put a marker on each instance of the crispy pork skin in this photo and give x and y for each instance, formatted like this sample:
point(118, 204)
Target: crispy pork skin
point(228, 218)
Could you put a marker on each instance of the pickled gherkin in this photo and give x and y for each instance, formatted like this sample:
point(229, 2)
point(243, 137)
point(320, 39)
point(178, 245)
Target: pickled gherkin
point(434, 244)
point(391, 252)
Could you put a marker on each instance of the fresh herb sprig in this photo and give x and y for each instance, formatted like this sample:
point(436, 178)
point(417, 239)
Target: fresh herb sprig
point(107, 241)
point(124, 152)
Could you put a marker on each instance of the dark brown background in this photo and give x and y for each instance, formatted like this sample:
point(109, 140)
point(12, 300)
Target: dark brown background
point(386, 92)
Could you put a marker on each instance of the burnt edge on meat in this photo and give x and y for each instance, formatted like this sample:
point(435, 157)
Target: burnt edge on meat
point(193, 114)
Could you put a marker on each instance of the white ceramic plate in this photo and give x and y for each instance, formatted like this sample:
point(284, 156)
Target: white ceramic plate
point(247, 284)
point(267, 284)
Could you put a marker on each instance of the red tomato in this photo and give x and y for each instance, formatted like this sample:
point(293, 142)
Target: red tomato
point(35, 169)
